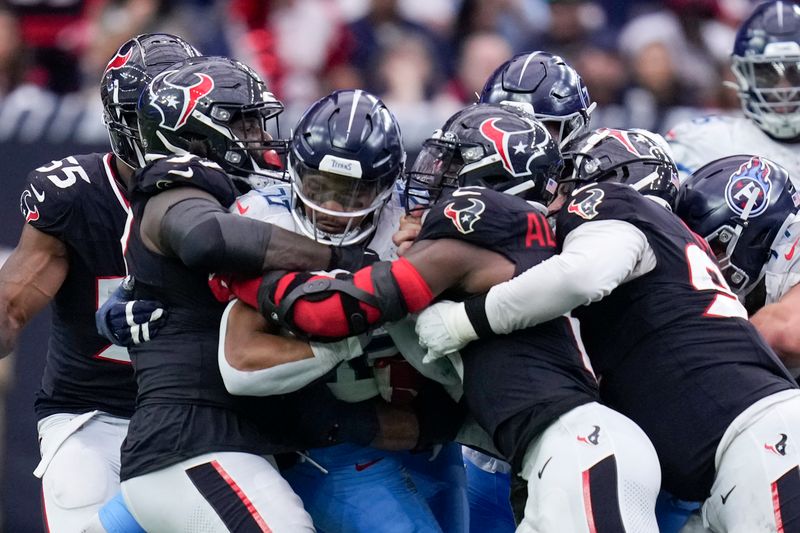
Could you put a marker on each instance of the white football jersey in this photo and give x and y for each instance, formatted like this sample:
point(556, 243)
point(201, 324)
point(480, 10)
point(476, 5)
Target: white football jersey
point(273, 204)
point(706, 139)
point(782, 271)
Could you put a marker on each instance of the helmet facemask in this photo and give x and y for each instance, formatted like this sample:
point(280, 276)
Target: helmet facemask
point(123, 134)
point(435, 169)
point(769, 88)
point(251, 153)
point(336, 208)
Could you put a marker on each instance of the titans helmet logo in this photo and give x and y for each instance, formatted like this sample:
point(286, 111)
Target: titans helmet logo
point(464, 218)
point(175, 103)
point(587, 208)
point(517, 149)
point(749, 185)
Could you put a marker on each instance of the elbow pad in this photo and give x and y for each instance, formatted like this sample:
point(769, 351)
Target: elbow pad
point(324, 308)
point(203, 235)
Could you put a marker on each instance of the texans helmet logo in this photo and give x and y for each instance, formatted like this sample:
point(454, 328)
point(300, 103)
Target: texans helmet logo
point(622, 137)
point(464, 218)
point(119, 61)
point(749, 185)
point(587, 208)
point(517, 149)
point(175, 102)
point(30, 214)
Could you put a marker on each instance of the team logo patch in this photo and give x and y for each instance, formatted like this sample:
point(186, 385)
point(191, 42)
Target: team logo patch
point(464, 218)
point(779, 448)
point(750, 181)
point(30, 213)
point(176, 103)
point(119, 60)
point(587, 208)
point(517, 149)
point(591, 438)
point(622, 137)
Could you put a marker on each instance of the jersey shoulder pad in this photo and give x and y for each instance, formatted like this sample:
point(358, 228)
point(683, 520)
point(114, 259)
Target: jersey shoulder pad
point(597, 201)
point(697, 128)
point(782, 271)
point(388, 224)
point(186, 171)
point(473, 214)
point(55, 191)
point(268, 204)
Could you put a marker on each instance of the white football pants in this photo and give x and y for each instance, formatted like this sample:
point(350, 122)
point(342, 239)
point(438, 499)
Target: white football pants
point(79, 466)
point(593, 470)
point(757, 484)
point(217, 492)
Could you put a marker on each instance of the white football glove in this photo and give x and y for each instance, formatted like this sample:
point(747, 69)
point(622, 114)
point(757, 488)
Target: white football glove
point(444, 328)
point(336, 352)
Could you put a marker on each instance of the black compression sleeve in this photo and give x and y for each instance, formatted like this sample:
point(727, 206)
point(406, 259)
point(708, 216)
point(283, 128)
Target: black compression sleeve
point(203, 235)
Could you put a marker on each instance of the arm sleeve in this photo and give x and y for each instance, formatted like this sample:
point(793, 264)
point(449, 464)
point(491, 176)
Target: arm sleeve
point(596, 258)
point(202, 234)
point(279, 379)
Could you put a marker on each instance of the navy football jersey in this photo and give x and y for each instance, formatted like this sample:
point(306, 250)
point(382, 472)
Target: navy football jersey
point(183, 409)
point(80, 201)
point(515, 385)
point(673, 349)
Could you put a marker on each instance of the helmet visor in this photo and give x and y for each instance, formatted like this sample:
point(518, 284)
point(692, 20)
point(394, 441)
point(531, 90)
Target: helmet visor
point(334, 204)
point(436, 167)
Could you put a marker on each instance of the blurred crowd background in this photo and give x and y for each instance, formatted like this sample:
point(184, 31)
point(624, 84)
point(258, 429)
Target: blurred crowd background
point(647, 64)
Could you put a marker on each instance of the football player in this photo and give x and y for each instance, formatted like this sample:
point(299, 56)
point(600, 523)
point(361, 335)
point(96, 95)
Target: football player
point(201, 122)
point(70, 253)
point(531, 390)
point(746, 207)
point(766, 64)
point(545, 86)
point(345, 160)
point(668, 338)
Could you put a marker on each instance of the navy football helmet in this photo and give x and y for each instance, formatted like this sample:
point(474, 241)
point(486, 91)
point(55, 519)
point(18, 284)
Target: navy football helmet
point(638, 158)
point(766, 62)
point(346, 156)
point(134, 65)
point(486, 145)
point(216, 108)
point(739, 204)
point(544, 85)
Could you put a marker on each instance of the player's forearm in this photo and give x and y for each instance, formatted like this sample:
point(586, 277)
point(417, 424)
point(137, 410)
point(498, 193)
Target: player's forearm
point(593, 262)
point(205, 236)
point(780, 327)
point(9, 332)
point(320, 307)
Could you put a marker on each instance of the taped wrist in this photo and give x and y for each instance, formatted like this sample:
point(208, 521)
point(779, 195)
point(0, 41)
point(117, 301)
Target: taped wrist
point(476, 312)
point(203, 235)
point(330, 308)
